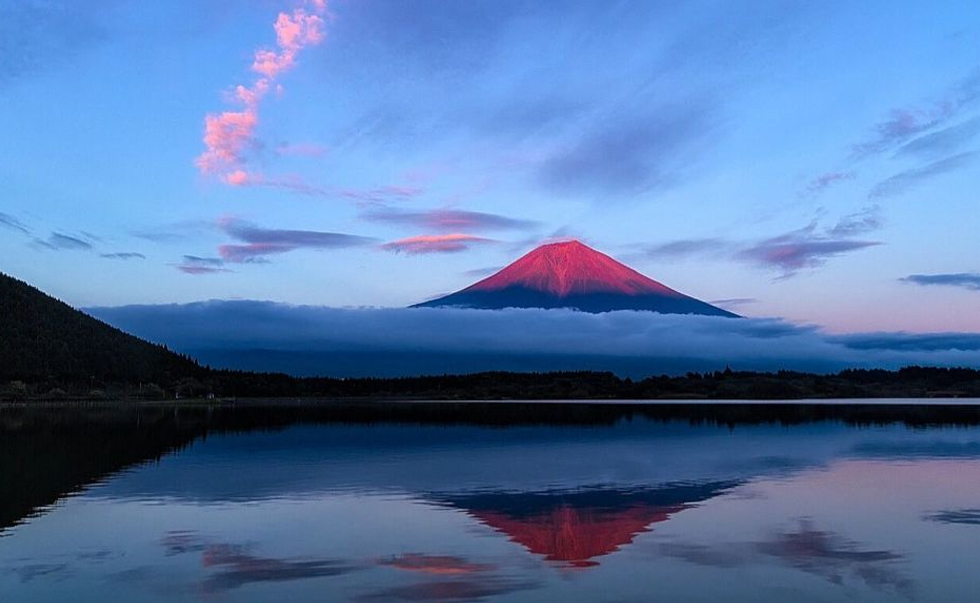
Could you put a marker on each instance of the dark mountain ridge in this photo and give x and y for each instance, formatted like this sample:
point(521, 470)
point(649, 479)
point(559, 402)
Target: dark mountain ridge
point(43, 338)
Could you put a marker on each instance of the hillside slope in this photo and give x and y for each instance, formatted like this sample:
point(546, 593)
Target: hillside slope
point(43, 338)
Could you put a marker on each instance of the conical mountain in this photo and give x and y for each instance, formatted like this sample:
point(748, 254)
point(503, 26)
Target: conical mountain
point(571, 274)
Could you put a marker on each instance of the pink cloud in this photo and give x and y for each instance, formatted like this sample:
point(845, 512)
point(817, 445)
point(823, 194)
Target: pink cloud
point(226, 135)
point(229, 134)
point(237, 178)
point(293, 32)
point(443, 243)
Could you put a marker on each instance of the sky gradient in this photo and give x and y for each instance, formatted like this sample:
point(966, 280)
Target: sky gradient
point(814, 161)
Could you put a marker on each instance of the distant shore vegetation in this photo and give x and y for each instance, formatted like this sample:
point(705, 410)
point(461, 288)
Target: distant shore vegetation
point(207, 383)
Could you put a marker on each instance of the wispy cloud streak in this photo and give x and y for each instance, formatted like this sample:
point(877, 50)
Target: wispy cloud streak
point(800, 249)
point(942, 142)
point(260, 242)
point(689, 248)
point(451, 220)
point(439, 243)
point(13, 223)
point(905, 180)
point(57, 241)
point(808, 247)
point(862, 222)
point(366, 196)
point(904, 124)
point(965, 280)
point(825, 181)
point(123, 255)
point(197, 265)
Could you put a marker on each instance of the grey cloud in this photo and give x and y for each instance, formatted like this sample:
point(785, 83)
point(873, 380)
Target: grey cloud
point(907, 123)
point(202, 261)
point(807, 247)
point(822, 553)
point(197, 265)
point(624, 154)
point(966, 280)
point(174, 232)
point(232, 566)
point(236, 567)
point(942, 142)
point(259, 243)
point(906, 180)
point(160, 237)
point(40, 571)
point(799, 249)
point(726, 557)
point(58, 241)
point(688, 248)
point(13, 223)
point(734, 302)
point(833, 557)
point(484, 339)
point(123, 255)
point(436, 48)
point(912, 342)
point(867, 220)
point(250, 233)
point(968, 517)
point(791, 256)
point(824, 181)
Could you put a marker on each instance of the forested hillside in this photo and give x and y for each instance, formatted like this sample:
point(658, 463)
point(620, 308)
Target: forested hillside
point(43, 339)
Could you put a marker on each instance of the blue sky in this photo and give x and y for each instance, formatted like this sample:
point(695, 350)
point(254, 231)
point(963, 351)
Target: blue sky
point(812, 161)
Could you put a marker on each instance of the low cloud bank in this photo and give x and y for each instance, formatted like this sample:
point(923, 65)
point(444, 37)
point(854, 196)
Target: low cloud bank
point(310, 340)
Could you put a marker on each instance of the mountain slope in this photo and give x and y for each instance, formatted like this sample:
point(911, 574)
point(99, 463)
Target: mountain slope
point(573, 275)
point(42, 338)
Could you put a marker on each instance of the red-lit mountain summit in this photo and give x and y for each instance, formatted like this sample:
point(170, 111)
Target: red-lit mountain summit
point(573, 275)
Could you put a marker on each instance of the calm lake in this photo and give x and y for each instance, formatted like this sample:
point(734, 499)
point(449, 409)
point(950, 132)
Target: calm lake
point(609, 505)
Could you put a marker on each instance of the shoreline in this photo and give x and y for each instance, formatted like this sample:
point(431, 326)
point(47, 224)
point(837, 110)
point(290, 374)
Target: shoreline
point(280, 412)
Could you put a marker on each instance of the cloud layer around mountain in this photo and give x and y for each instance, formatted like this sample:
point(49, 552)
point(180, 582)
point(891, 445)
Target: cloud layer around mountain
point(306, 340)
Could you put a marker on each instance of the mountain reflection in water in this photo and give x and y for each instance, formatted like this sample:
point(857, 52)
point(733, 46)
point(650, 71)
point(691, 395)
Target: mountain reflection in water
point(488, 502)
point(579, 526)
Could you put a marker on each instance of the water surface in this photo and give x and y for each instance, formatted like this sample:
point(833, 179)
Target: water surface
point(628, 508)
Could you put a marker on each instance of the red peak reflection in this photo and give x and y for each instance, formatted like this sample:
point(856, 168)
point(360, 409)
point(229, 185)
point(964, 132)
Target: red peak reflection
point(575, 527)
point(577, 536)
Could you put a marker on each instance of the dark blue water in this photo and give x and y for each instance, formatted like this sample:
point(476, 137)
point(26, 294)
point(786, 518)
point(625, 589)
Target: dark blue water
point(635, 511)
